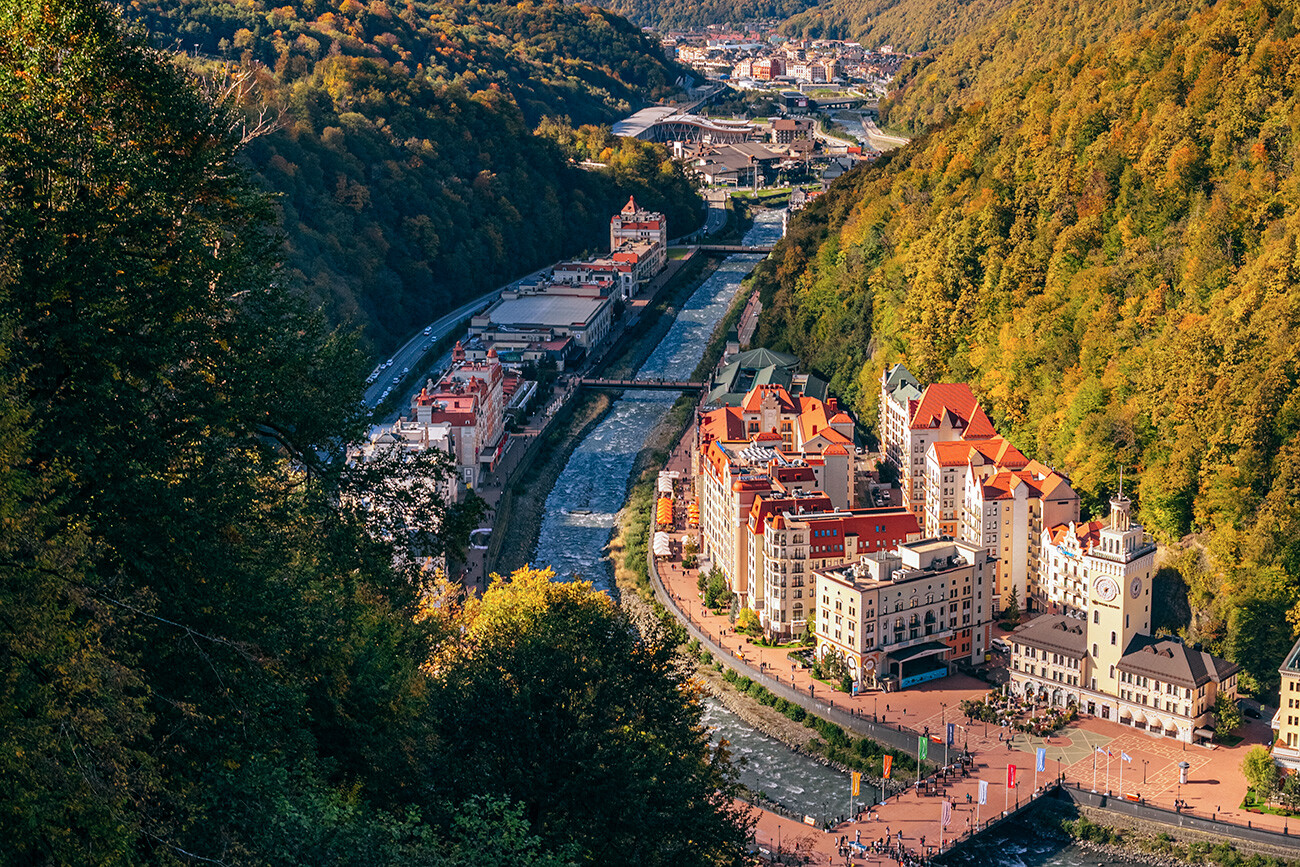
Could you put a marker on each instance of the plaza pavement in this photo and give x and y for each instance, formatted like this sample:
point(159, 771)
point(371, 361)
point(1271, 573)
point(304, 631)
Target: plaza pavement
point(1214, 789)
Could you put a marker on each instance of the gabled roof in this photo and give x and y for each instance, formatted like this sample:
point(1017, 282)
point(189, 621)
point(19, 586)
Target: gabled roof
point(1170, 661)
point(722, 424)
point(955, 403)
point(754, 400)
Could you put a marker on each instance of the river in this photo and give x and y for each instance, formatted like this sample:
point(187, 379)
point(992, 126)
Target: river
point(580, 510)
point(593, 484)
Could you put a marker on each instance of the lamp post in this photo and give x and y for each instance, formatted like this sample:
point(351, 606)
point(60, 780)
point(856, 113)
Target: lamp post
point(1144, 772)
point(943, 729)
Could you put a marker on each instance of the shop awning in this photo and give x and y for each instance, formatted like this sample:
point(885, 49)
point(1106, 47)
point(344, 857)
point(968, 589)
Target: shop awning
point(929, 648)
point(1204, 733)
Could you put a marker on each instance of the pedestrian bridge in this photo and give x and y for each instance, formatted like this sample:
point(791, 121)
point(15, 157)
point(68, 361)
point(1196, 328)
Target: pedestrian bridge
point(661, 384)
point(734, 248)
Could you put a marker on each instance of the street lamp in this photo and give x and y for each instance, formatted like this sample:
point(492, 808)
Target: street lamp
point(1144, 772)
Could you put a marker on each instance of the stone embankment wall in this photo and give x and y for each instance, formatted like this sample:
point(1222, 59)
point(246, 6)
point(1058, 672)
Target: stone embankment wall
point(1183, 827)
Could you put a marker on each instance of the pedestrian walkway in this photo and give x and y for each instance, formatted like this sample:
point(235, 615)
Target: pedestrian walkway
point(1214, 788)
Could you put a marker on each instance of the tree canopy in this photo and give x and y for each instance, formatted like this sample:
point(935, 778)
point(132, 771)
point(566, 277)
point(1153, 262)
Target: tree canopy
point(407, 174)
point(212, 649)
point(1105, 250)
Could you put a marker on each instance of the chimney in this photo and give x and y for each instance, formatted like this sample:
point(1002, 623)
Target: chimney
point(832, 405)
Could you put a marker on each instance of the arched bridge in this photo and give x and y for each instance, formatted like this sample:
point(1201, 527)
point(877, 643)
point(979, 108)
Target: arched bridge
point(662, 384)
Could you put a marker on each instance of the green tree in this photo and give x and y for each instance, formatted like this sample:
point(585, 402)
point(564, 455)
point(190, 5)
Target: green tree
point(1260, 772)
point(1227, 716)
point(1290, 794)
point(206, 651)
point(1011, 612)
point(715, 588)
point(595, 721)
point(747, 622)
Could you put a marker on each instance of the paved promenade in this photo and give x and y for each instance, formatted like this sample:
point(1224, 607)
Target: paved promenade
point(1214, 789)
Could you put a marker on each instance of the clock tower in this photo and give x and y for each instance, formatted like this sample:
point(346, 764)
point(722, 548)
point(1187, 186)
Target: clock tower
point(1119, 568)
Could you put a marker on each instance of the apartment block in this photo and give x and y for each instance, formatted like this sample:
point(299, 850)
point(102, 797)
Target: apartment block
point(790, 539)
point(901, 617)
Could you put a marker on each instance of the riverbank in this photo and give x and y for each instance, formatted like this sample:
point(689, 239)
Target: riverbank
point(523, 504)
point(1096, 838)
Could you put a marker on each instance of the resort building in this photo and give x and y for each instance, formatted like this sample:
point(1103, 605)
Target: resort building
point(1102, 658)
point(1286, 722)
point(789, 539)
point(902, 617)
point(772, 445)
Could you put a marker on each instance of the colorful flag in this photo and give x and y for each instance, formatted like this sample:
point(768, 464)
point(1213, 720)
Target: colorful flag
point(1041, 764)
point(984, 791)
point(1125, 756)
point(952, 728)
point(857, 784)
point(922, 748)
point(947, 812)
point(889, 763)
point(1011, 776)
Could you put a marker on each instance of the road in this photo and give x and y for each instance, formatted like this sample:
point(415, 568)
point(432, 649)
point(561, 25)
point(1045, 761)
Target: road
point(412, 354)
point(880, 140)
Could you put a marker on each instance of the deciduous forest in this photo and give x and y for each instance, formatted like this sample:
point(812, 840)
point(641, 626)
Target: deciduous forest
point(218, 643)
point(1105, 249)
point(407, 174)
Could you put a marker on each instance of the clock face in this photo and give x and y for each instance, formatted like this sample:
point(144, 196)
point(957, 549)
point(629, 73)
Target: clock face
point(1107, 589)
point(1135, 589)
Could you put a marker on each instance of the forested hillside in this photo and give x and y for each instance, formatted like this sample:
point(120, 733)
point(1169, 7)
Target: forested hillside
point(1017, 39)
point(1107, 251)
point(409, 177)
point(908, 25)
point(686, 14)
point(217, 644)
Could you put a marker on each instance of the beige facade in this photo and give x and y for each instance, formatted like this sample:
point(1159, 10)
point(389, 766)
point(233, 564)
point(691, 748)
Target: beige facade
point(1101, 656)
point(788, 543)
point(1286, 723)
point(900, 617)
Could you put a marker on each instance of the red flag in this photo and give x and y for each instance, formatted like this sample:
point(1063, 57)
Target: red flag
point(1011, 776)
point(889, 763)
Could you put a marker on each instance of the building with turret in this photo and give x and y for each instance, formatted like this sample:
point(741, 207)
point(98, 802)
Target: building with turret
point(1101, 656)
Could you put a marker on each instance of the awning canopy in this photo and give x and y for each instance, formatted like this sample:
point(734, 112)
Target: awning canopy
point(1204, 733)
point(1139, 717)
point(661, 543)
point(929, 648)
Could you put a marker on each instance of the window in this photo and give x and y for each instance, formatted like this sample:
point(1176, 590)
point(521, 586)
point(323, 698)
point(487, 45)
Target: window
point(1114, 639)
point(1096, 617)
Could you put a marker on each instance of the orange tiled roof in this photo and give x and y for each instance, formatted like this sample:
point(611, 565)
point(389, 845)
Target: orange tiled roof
point(956, 401)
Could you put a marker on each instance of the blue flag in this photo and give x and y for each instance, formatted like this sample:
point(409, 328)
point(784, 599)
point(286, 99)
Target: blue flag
point(952, 727)
point(1042, 759)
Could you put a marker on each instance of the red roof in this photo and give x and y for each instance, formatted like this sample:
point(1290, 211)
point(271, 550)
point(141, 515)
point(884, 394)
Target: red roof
point(955, 401)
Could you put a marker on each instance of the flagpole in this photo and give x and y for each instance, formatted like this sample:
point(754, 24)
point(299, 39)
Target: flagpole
point(1121, 776)
point(1107, 770)
point(1094, 772)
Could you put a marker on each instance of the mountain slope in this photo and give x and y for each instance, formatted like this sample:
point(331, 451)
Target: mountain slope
point(408, 176)
point(1107, 252)
point(908, 25)
point(1014, 40)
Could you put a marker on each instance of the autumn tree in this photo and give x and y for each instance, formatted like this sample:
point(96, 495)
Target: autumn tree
point(595, 724)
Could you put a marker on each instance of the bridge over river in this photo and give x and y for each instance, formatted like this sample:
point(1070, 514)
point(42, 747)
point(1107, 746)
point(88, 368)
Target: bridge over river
point(658, 384)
